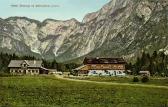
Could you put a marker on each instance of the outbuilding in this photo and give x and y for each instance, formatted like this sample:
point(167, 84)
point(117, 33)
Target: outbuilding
point(144, 73)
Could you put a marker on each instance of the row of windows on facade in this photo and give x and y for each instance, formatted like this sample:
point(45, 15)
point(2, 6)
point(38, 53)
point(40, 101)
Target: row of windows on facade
point(119, 72)
point(29, 71)
point(108, 66)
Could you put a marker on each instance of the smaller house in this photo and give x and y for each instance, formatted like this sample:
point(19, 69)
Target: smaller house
point(54, 71)
point(144, 73)
point(31, 67)
point(129, 72)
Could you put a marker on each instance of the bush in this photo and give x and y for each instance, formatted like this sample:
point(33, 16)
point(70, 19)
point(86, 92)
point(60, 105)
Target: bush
point(2, 74)
point(145, 79)
point(135, 79)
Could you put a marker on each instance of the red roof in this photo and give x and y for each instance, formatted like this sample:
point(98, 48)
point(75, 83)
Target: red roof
point(104, 61)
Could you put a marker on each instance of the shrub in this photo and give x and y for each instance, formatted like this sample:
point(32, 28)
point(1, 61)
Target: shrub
point(2, 74)
point(135, 79)
point(145, 79)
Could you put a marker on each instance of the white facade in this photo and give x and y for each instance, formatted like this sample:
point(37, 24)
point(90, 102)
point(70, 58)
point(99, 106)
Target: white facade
point(26, 71)
point(106, 73)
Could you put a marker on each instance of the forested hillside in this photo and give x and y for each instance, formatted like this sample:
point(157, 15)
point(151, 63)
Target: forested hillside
point(157, 63)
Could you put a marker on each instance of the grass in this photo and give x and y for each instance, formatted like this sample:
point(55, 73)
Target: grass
point(153, 80)
point(48, 91)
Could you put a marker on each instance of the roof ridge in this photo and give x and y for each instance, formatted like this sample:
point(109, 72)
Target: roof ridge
point(98, 60)
point(31, 63)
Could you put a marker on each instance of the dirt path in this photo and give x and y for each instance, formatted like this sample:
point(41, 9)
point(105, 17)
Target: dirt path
point(112, 83)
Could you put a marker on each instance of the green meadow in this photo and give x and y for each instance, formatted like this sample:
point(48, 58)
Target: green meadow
point(158, 81)
point(49, 91)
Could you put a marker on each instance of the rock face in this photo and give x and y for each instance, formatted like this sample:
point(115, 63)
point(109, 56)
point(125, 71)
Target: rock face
point(121, 28)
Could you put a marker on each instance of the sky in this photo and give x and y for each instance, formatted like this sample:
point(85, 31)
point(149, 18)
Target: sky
point(54, 9)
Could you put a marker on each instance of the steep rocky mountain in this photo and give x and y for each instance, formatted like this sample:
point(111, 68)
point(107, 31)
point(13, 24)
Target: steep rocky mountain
point(120, 28)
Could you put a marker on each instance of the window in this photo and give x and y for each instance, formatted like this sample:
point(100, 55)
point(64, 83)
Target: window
point(93, 66)
point(32, 71)
point(105, 66)
point(24, 65)
point(24, 71)
point(120, 67)
point(114, 72)
point(120, 72)
point(106, 72)
point(94, 72)
point(114, 66)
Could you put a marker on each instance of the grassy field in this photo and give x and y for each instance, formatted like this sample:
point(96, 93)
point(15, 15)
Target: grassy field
point(153, 80)
point(48, 91)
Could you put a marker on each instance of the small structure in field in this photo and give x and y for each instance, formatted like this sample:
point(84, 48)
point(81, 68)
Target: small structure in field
point(66, 73)
point(27, 67)
point(54, 71)
point(144, 73)
point(102, 67)
point(129, 72)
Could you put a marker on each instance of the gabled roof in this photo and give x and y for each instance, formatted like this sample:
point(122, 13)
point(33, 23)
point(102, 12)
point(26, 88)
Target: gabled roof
point(104, 61)
point(31, 63)
point(80, 67)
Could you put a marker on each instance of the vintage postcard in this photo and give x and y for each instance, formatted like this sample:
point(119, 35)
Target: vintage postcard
point(83, 53)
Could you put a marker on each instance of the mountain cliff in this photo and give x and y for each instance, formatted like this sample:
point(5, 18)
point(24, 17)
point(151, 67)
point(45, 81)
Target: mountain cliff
point(120, 28)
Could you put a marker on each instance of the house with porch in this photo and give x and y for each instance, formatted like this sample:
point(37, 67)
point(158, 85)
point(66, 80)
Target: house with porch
point(102, 67)
point(32, 67)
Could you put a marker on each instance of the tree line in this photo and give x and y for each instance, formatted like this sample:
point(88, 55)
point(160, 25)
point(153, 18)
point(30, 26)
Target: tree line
point(156, 63)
